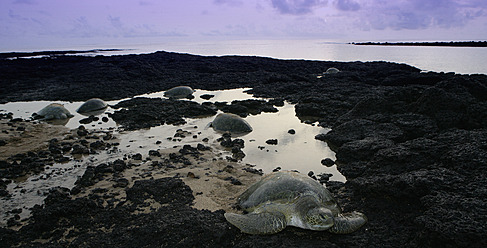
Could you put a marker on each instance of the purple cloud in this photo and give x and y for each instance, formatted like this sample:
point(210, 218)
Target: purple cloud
point(115, 22)
point(229, 2)
point(297, 7)
point(15, 16)
point(418, 14)
point(347, 5)
point(145, 3)
point(24, 2)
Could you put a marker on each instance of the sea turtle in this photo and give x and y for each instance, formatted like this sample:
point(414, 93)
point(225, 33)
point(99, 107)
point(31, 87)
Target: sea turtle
point(53, 111)
point(92, 105)
point(332, 70)
point(287, 198)
point(179, 92)
point(233, 123)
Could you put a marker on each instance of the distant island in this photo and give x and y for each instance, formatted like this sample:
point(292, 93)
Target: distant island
point(449, 44)
point(52, 53)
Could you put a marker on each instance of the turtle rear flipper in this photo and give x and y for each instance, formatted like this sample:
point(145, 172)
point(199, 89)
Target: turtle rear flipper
point(348, 223)
point(261, 223)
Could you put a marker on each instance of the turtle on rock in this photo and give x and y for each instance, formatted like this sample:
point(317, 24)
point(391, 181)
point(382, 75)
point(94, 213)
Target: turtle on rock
point(332, 70)
point(92, 105)
point(179, 92)
point(226, 122)
point(53, 111)
point(287, 198)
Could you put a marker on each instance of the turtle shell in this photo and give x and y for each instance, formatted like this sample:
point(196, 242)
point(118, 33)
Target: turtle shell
point(53, 111)
point(226, 122)
point(285, 187)
point(332, 70)
point(92, 105)
point(179, 92)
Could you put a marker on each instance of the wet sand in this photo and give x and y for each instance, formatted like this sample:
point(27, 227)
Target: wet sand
point(207, 172)
point(23, 137)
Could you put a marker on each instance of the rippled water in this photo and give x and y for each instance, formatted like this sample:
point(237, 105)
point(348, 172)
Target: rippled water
point(299, 151)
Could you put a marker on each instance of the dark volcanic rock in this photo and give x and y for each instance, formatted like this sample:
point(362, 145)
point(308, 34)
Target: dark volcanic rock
point(207, 96)
point(359, 129)
point(252, 106)
point(148, 112)
point(412, 146)
point(327, 162)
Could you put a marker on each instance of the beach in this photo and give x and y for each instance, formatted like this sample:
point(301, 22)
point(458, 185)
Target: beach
point(412, 146)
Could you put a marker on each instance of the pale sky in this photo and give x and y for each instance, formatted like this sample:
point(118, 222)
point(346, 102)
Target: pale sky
point(27, 24)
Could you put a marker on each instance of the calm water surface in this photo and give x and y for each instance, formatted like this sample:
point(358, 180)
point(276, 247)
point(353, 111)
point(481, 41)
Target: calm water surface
point(300, 151)
point(463, 60)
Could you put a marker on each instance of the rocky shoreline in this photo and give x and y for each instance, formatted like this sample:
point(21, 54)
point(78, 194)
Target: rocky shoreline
point(412, 146)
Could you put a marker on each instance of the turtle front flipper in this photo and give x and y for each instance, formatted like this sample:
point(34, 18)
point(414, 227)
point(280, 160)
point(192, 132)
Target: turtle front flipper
point(348, 222)
point(261, 223)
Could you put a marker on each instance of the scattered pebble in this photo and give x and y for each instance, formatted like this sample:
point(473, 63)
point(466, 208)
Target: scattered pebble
point(328, 162)
point(154, 153)
point(192, 175)
point(233, 180)
point(137, 156)
point(207, 96)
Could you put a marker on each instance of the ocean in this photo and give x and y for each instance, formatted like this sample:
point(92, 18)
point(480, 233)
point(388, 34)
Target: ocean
point(462, 60)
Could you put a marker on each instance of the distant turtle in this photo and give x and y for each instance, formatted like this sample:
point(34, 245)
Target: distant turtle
point(92, 105)
point(179, 92)
point(332, 70)
point(288, 198)
point(53, 111)
point(233, 123)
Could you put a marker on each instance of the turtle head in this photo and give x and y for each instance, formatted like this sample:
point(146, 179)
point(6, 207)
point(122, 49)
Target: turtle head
point(319, 219)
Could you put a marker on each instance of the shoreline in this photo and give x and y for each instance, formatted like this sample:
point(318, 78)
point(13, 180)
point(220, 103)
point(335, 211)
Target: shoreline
point(435, 44)
point(402, 138)
point(16, 55)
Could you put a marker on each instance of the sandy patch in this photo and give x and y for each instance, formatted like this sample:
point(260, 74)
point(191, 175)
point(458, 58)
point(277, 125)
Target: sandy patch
point(216, 182)
point(23, 136)
point(209, 176)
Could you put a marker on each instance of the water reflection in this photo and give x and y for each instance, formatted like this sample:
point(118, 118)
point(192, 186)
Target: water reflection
point(95, 113)
point(298, 151)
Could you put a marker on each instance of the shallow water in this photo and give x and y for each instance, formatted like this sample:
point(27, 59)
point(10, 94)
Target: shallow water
point(299, 151)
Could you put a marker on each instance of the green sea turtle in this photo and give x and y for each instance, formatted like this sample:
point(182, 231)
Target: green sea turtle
point(332, 70)
point(233, 123)
point(179, 92)
point(92, 105)
point(288, 198)
point(53, 111)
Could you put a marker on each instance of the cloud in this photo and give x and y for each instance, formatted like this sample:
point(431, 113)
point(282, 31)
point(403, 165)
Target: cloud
point(229, 2)
point(145, 3)
point(417, 14)
point(347, 5)
point(115, 22)
point(25, 2)
point(297, 7)
point(14, 16)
